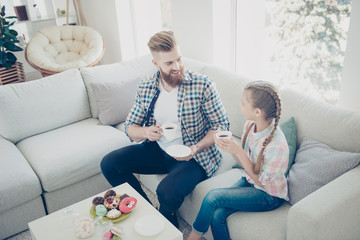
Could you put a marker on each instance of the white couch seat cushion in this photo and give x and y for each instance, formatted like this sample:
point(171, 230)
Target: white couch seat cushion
point(19, 182)
point(72, 153)
point(239, 222)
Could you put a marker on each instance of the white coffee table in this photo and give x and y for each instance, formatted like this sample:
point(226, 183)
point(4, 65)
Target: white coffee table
point(53, 226)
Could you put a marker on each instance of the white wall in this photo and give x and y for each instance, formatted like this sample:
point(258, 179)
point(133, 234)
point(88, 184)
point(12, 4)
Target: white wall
point(192, 25)
point(102, 16)
point(350, 86)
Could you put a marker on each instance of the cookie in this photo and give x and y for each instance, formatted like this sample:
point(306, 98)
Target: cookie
point(112, 202)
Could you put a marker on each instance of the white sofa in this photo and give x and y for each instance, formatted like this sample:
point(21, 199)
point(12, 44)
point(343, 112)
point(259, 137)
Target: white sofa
point(51, 145)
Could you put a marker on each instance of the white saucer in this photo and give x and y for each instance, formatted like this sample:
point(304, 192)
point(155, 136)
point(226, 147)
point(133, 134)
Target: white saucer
point(178, 151)
point(149, 225)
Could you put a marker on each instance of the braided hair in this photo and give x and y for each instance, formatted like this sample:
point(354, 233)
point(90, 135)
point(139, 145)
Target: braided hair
point(264, 96)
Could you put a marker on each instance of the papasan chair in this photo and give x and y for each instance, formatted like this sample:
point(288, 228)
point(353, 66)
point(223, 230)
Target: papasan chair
point(56, 49)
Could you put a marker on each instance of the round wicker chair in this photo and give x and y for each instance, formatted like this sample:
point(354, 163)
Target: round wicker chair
point(59, 48)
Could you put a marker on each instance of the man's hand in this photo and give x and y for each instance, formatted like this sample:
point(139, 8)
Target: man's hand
point(194, 151)
point(153, 133)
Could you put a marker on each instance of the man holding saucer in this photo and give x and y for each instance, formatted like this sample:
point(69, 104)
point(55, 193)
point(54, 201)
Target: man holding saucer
point(190, 102)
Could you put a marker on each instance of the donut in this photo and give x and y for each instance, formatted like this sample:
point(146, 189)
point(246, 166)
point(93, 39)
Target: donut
point(98, 200)
point(112, 202)
point(113, 214)
point(110, 193)
point(127, 204)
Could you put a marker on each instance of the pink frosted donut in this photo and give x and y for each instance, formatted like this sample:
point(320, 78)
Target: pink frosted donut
point(127, 204)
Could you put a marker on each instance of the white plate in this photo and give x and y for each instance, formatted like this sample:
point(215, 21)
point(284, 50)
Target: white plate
point(149, 225)
point(178, 151)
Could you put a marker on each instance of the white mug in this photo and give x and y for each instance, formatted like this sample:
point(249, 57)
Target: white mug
point(169, 130)
point(224, 134)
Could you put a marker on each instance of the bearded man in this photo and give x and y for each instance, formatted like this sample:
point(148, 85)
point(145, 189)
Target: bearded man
point(172, 95)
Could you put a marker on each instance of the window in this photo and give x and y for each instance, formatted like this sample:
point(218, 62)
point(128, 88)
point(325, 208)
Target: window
point(294, 43)
point(138, 21)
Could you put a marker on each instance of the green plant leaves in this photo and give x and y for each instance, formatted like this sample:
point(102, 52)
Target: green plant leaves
point(11, 57)
point(8, 38)
point(3, 57)
point(12, 47)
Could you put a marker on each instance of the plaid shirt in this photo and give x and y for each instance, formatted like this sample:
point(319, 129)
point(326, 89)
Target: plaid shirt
point(275, 160)
point(199, 110)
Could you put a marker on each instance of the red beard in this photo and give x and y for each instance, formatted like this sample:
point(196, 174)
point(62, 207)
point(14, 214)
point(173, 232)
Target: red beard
point(173, 81)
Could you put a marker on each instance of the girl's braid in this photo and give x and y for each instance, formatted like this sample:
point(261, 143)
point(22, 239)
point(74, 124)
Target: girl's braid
point(260, 95)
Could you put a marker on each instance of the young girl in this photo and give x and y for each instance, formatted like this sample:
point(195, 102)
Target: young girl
point(264, 154)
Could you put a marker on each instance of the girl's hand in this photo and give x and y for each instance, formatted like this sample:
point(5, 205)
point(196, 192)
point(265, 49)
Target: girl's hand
point(227, 145)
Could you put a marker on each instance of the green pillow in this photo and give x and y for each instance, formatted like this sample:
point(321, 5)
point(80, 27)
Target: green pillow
point(289, 129)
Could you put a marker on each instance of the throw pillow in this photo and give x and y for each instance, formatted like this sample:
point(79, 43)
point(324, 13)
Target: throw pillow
point(289, 129)
point(317, 164)
point(114, 100)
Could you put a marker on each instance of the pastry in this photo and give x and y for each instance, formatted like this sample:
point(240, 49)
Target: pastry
point(110, 193)
point(98, 200)
point(84, 227)
point(123, 196)
point(113, 214)
point(127, 204)
point(100, 210)
point(108, 236)
point(112, 202)
point(116, 231)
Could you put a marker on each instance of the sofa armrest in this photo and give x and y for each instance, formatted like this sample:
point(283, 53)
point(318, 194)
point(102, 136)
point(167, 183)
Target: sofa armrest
point(331, 212)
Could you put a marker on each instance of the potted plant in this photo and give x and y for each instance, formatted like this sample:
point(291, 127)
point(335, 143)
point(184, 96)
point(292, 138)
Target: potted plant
point(9, 67)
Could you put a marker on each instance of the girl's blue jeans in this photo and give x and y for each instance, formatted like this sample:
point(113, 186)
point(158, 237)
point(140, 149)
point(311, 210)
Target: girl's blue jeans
point(220, 203)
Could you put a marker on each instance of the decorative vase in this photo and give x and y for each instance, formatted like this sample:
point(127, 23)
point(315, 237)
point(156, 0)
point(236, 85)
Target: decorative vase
point(13, 75)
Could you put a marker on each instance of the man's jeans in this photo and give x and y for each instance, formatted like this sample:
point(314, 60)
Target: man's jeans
point(220, 203)
point(148, 158)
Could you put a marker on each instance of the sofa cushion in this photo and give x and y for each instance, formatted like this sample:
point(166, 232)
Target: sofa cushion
point(19, 182)
point(133, 70)
point(72, 153)
point(317, 164)
point(114, 100)
point(38, 106)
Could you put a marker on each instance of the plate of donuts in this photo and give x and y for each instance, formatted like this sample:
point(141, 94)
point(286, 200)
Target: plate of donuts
point(112, 207)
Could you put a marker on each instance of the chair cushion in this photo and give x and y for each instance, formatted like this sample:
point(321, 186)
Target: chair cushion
point(59, 160)
point(59, 48)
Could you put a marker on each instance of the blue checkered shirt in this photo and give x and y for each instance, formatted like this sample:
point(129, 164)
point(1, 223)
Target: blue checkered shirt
point(199, 110)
